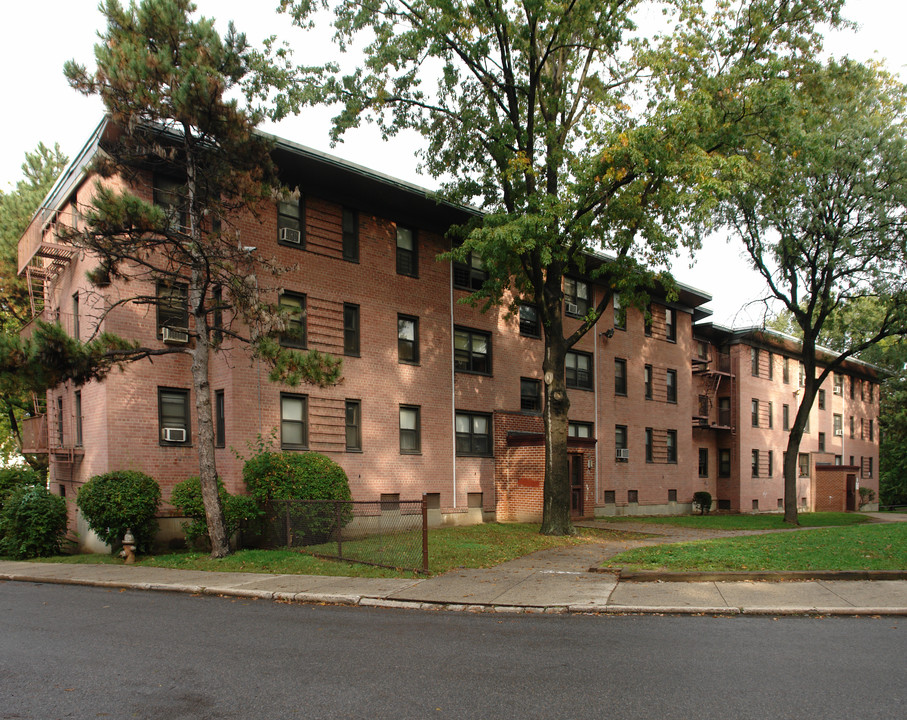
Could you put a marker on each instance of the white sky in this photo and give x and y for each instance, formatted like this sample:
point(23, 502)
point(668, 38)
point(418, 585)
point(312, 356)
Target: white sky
point(39, 106)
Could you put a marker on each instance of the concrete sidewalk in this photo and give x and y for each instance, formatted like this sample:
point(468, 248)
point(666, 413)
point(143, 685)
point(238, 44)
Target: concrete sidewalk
point(506, 588)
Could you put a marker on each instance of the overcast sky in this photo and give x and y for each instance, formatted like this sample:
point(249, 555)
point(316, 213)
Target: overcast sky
point(40, 107)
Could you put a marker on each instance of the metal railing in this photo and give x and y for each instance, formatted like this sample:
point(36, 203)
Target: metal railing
point(385, 533)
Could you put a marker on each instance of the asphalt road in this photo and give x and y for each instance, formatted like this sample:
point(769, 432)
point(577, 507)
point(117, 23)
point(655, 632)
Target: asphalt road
point(76, 652)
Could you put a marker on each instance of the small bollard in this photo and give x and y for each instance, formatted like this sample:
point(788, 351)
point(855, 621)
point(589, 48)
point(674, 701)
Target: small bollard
point(129, 547)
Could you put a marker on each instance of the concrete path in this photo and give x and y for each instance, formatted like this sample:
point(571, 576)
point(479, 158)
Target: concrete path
point(549, 581)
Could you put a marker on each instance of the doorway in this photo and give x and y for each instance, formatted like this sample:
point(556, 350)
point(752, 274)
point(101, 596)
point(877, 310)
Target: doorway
point(577, 490)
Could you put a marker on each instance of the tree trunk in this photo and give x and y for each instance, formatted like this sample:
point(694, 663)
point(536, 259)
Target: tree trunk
point(792, 459)
point(556, 499)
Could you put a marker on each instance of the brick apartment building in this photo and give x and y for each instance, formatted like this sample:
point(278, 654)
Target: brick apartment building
point(439, 398)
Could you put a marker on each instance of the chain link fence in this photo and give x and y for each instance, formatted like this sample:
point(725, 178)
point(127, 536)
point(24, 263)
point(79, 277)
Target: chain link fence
point(385, 533)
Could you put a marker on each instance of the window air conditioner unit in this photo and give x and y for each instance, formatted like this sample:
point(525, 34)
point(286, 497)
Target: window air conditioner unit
point(174, 337)
point(572, 308)
point(838, 391)
point(839, 433)
point(290, 235)
point(623, 453)
point(174, 434)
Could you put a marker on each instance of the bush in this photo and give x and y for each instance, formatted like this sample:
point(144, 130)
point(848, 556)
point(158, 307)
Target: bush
point(19, 476)
point(118, 501)
point(703, 501)
point(32, 523)
point(271, 476)
point(240, 511)
point(867, 495)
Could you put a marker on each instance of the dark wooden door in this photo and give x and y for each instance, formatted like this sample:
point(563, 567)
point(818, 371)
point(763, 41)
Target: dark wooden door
point(575, 467)
point(851, 493)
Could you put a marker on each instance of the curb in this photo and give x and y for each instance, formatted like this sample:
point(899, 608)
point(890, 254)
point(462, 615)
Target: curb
point(752, 575)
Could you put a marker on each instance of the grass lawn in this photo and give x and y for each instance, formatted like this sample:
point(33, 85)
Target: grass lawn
point(770, 521)
point(470, 546)
point(860, 547)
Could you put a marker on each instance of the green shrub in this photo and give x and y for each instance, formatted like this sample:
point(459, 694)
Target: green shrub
point(702, 500)
point(121, 500)
point(18, 476)
point(240, 511)
point(32, 523)
point(271, 476)
point(867, 495)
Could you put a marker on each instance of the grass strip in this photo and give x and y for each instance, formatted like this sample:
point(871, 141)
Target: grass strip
point(861, 547)
point(769, 521)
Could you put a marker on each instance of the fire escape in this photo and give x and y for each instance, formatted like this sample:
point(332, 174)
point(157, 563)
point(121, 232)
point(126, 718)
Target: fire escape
point(713, 411)
point(42, 258)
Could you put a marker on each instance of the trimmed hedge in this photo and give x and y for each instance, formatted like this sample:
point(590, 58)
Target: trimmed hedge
point(702, 500)
point(32, 523)
point(121, 500)
point(240, 511)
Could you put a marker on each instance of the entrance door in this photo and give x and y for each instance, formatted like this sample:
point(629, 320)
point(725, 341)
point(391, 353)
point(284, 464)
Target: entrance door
point(851, 493)
point(575, 468)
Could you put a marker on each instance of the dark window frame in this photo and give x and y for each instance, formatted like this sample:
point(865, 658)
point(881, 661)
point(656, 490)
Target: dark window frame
point(171, 313)
point(703, 462)
point(671, 445)
point(412, 344)
point(573, 429)
point(621, 441)
point(670, 325)
point(572, 296)
point(220, 419)
point(620, 313)
point(350, 234)
point(575, 382)
point(351, 330)
point(291, 221)
point(649, 444)
point(471, 443)
point(535, 406)
point(414, 433)
point(647, 381)
point(77, 411)
point(296, 334)
point(530, 327)
point(353, 427)
point(620, 377)
point(671, 386)
point(407, 259)
point(724, 462)
point(470, 362)
point(184, 421)
point(467, 275)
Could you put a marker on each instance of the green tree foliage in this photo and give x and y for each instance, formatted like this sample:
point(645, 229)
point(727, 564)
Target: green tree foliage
point(40, 169)
point(166, 81)
point(821, 214)
point(118, 501)
point(32, 523)
point(18, 476)
point(572, 131)
point(240, 511)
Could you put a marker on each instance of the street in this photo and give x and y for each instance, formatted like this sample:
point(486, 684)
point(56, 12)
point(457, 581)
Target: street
point(80, 652)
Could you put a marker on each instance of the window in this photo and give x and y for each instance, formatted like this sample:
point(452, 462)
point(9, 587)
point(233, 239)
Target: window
point(172, 308)
point(579, 373)
point(785, 371)
point(632, 496)
point(649, 442)
point(647, 321)
point(724, 412)
point(671, 385)
point(803, 464)
point(702, 350)
point(867, 467)
point(724, 462)
point(350, 329)
point(75, 316)
point(871, 430)
point(755, 468)
point(77, 407)
point(821, 399)
point(289, 223)
point(410, 430)
point(852, 426)
point(672, 446)
point(350, 235)
point(622, 454)
point(407, 339)
point(703, 462)
point(771, 419)
point(821, 442)
point(217, 312)
point(169, 195)
point(407, 252)
point(648, 379)
point(576, 297)
point(862, 429)
point(862, 384)
point(610, 497)
point(220, 420)
point(529, 321)
point(771, 366)
point(785, 417)
point(293, 307)
point(802, 371)
point(620, 313)
point(530, 394)
point(755, 413)
point(754, 361)
point(670, 325)
point(871, 391)
point(60, 421)
point(473, 434)
point(771, 462)
point(472, 351)
point(806, 424)
point(672, 496)
point(755, 504)
point(579, 430)
point(620, 376)
point(353, 421)
point(839, 384)
point(839, 459)
point(173, 412)
point(853, 386)
point(469, 274)
point(294, 421)
point(838, 425)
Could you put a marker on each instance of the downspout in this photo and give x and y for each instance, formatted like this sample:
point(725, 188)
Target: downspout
point(453, 393)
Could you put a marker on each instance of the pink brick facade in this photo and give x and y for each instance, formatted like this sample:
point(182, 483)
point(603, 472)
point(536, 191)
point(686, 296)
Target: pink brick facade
point(635, 450)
